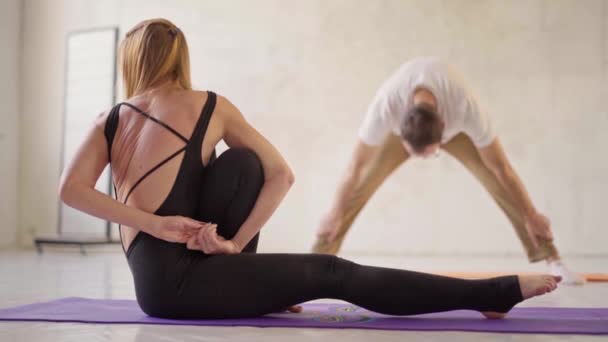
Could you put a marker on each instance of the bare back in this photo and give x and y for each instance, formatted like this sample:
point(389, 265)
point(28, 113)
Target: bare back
point(140, 144)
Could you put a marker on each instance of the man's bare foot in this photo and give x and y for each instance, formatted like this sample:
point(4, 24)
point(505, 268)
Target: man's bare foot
point(531, 286)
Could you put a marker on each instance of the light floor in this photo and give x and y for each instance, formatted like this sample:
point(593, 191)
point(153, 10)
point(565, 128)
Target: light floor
point(26, 277)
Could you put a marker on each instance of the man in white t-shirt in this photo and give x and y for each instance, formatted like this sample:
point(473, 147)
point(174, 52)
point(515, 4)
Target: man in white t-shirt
point(424, 107)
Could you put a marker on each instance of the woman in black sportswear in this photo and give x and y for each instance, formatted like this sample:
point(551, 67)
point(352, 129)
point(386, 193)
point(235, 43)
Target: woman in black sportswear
point(190, 221)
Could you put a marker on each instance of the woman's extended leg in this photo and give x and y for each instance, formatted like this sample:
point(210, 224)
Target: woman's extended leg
point(248, 284)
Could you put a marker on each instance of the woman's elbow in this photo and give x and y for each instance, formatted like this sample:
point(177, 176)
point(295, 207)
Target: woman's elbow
point(63, 191)
point(291, 178)
point(66, 191)
point(285, 176)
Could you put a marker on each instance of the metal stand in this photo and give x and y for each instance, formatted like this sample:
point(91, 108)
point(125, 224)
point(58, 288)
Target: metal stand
point(79, 240)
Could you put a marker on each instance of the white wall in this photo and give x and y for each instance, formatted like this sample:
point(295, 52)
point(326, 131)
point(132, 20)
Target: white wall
point(303, 73)
point(10, 45)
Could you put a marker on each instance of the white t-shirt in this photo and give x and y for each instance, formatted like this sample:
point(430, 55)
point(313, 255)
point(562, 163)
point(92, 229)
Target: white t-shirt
point(456, 104)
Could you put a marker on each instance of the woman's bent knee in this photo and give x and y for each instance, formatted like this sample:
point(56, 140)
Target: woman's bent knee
point(245, 161)
point(242, 157)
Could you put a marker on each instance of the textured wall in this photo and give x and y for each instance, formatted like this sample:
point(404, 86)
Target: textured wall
point(10, 31)
point(303, 73)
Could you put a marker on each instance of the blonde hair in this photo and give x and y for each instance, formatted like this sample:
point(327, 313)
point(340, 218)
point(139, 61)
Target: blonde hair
point(152, 52)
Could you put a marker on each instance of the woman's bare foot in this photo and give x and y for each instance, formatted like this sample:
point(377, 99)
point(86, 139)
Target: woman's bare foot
point(295, 309)
point(536, 285)
point(292, 309)
point(531, 286)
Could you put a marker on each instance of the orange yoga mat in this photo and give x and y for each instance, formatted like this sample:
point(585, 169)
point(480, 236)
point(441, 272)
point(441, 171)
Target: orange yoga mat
point(590, 277)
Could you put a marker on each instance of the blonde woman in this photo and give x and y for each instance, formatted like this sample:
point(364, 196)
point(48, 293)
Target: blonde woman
point(190, 221)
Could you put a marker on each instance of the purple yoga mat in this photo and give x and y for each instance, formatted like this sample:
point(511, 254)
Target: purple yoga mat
point(520, 320)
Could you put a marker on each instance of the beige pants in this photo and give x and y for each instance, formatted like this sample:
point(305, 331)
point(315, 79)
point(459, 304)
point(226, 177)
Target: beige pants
point(392, 154)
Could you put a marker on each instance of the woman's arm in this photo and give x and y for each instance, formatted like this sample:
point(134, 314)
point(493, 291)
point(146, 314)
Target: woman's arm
point(278, 176)
point(77, 189)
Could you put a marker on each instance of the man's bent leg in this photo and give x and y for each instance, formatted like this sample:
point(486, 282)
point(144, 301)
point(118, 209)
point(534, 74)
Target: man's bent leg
point(387, 159)
point(463, 149)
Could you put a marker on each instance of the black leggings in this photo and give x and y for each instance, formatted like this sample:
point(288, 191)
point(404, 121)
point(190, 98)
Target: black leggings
point(173, 282)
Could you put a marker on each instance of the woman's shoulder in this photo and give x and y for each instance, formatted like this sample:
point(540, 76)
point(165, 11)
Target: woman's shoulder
point(102, 118)
point(196, 93)
point(223, 106)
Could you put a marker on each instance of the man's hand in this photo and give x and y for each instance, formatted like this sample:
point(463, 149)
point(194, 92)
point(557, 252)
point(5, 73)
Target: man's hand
point(328, 229)
point(538, 225)
point(330, 223)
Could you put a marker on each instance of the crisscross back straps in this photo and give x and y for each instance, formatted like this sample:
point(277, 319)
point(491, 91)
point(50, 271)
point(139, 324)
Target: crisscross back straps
point(110, 132)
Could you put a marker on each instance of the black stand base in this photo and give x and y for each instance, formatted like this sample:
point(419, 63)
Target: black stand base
point(74, 240)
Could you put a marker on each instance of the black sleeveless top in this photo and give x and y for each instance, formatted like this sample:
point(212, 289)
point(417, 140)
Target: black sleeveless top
point(183, 198)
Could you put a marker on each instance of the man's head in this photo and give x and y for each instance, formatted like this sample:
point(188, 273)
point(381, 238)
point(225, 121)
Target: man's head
point(421, 131)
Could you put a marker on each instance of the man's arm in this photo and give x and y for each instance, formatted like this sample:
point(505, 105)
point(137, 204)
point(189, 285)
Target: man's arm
point(494, 157)
point(360, 160)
